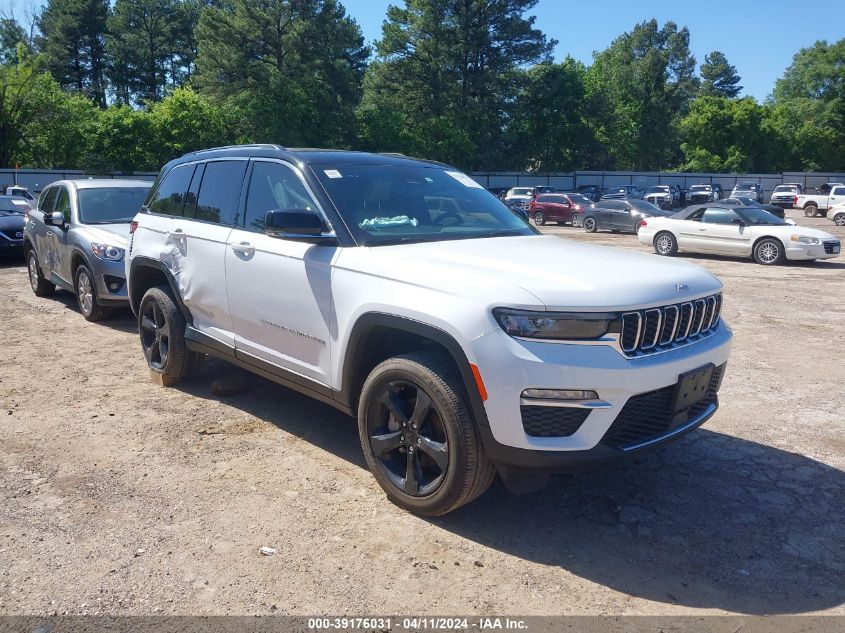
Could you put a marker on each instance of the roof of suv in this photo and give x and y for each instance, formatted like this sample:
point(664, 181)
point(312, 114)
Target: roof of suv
point(97, 183)
point(304, 155)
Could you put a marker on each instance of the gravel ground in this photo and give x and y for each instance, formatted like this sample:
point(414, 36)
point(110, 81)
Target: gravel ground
point(122, 497)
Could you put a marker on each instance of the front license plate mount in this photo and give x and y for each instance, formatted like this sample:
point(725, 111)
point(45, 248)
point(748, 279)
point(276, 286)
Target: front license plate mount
point(692, 387)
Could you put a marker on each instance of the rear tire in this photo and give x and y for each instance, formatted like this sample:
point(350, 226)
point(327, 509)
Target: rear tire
point(811, 211)
point(665, 244)
point(769, 252)
point(590, 225)
point(418, 437)
point(40, 286)
point(162, 330)
point(86, 295)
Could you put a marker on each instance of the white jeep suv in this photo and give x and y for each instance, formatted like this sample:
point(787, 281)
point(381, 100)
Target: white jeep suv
point(465, 342)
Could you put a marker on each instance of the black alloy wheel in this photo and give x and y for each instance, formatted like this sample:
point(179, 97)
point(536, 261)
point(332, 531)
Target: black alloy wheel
point(408, 438)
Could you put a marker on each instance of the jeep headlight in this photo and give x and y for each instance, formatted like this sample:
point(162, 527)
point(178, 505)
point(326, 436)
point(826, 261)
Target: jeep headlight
point(107, 251)
point(804, 239)
point(563, 326)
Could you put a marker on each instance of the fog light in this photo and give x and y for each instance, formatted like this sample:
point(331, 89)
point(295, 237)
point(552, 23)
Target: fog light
point(113, 282)
point(560, 394)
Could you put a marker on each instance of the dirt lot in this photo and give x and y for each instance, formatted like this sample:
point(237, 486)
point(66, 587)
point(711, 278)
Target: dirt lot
point(126, 498)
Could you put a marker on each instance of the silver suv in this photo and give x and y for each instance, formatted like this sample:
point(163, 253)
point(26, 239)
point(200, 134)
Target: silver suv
point(76, 240)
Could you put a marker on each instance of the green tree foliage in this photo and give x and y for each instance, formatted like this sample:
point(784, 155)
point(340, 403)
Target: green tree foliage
point(640, 87)
point(548, 130)
point(808, 108)
point(292, 67)
point(446, 75)
point(11, 34)
point(141, 42)
point(26, 95)
point(74, 41)
point(718, 77)
point(185, 122)
point(725, 135)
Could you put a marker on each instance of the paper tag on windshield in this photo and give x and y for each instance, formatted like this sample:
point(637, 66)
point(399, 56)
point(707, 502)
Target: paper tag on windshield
point(465, 180)
point(332, 173)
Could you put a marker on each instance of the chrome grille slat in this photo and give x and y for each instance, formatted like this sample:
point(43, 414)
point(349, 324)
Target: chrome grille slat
point(670, 321)
point(652, 330)
point(653, 321)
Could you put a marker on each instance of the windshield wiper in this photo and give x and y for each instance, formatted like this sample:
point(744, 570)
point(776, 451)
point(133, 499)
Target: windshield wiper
point(508, 233)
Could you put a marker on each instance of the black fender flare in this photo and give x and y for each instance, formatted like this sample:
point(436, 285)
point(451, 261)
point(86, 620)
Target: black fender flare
point(370, 320)
point(148, 262)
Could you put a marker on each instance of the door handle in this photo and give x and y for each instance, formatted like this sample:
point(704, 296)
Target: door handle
point(244, 248)
point(176, 234)
point(702, 229)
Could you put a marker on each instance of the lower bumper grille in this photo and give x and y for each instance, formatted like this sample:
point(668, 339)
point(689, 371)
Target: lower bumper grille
point(538, 421)
point(649, 415)
point(830, 247)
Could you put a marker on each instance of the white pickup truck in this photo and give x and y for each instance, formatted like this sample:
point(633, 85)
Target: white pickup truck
point(815, 204)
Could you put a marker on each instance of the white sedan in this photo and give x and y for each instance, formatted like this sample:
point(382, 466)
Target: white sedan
point(737, 231)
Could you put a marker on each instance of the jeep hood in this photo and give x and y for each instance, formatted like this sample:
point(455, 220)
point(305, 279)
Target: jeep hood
point(560, 274)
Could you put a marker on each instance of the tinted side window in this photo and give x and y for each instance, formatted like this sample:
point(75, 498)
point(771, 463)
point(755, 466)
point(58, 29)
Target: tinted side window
point(47, 199)
point(220, 191)
point(838, 191)
point(63, 203)
point(718, 216)
point(170, 195)
point(273, 186)
point(190, 209)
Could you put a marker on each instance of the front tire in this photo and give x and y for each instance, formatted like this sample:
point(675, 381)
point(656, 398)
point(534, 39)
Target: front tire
point(539, 218)
point(769, 252)
point(40, 286)
point(418, 437)
point(162, 329)
point(665, 244)
point(811, 211)
point(839, 219)
point(590, 225)
point(86, 295)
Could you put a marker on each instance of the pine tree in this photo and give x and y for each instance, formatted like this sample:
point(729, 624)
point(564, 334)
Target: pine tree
point(718, 77)
point(73, 39)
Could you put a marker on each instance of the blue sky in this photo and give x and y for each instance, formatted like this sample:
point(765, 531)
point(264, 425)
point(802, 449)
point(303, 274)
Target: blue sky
point(759, 37)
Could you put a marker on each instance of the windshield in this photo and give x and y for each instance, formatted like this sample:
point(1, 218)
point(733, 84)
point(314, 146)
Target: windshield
point(522, 192)
point(700, 188)
point(110, 205)
point(576, 199)
point(645, 207)
point(14, 206)
point(390, 204)
point(754, 216)
point(788, 188)
point(657, 190)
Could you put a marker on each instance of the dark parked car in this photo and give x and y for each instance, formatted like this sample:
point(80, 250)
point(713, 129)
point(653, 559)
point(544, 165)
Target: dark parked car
point(619, 215)
point(624, 191)
point(593, 192)
point(750, 202)
point(12, 219)
point(558, 207)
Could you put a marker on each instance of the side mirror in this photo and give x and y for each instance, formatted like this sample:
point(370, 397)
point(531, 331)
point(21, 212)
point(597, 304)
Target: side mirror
point(56, 218)
point(302, 225)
